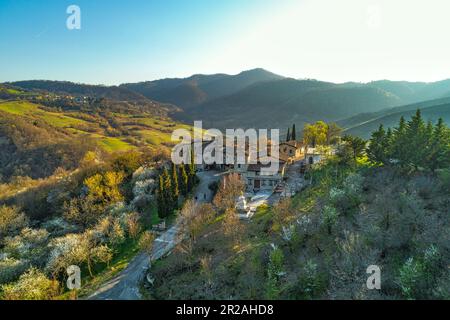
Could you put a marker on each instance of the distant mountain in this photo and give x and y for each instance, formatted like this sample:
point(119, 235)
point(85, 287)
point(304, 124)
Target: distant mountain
point(77, 89)
point(256, 98)
point(279, 103)
point(410, 92)
point(197, 89)
point(363, 124)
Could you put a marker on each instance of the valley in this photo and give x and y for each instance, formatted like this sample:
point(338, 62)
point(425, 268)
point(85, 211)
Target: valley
point(86, 179)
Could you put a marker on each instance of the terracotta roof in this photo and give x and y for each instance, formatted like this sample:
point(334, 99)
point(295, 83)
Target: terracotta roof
point(292, 143)
point(257, 167)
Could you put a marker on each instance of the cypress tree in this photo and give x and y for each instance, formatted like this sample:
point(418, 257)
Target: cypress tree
point(175, 187)
point(192, 173)
point(192, 164)
point(160, 203)
point(293, 134)
point(168, 196)
point(288, 136)
point(184, 180)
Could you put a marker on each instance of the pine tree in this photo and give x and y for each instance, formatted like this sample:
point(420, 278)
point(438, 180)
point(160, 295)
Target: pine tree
point(389, 145)
point(439, 153)
point(356, 144)
point(376, 151)
point(288, 136)
point(416, 140)
point(293, 134)
point(399, 143)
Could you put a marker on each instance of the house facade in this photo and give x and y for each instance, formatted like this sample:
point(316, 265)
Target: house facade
point(256, 180)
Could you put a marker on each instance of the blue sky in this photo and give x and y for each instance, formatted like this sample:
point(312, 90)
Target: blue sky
point(136, 40)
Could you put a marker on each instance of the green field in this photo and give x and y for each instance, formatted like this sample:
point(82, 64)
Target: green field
point(140, 130)
point(114, 144)
point(18, 107)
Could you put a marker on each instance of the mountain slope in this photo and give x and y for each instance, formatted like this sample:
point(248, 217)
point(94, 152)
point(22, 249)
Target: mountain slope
point(279, 103)
point(197, 89)
point(390, 119)
point(361, 118)
point(36, 139)
point(411, 92)
point(76, 89)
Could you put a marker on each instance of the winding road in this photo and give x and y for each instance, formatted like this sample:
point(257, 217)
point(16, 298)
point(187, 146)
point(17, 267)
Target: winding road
point(125, 285)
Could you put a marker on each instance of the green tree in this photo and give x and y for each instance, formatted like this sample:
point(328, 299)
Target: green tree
point(399, 146)
point(11, 221)
point(288, 136)
point(192, 172)
point(439, 151)
point(160, 201)
point(32, 285)
point(356, 144)
point(333, 133)
point(416, 140)
point(175, 186)
point(105, 188)
point(184, 180)
point(315, 134)
point(167, 196)
point(377, 149)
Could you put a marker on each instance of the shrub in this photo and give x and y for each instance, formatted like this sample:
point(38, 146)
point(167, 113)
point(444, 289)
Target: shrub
point(11, 269)
point(310, 283)
point(329, 217)
point(347, 198)
point(425, 187)
point(11, 221)
point(32, 285)
point(274, 272)
point(417, 277)
point(410, 274)
point(444, 177)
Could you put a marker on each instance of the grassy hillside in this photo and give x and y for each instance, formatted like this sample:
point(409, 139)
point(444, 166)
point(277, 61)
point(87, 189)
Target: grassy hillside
point(30, 133)
point(348, 219)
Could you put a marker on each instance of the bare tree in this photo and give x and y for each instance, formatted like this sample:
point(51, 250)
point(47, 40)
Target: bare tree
point(230, 188)
point(232, 226)
point(191, 221)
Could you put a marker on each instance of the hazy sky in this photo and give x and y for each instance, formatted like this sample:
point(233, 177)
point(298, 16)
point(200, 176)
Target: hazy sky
point(136, 40)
